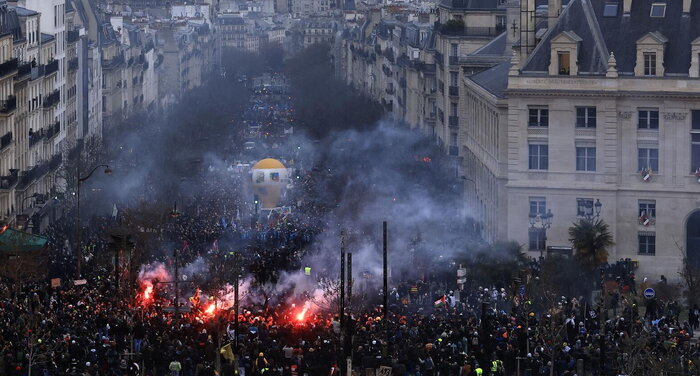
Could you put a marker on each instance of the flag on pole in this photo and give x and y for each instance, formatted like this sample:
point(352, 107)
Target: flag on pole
point(441, 302)
point(227, 353)
point(115, 212)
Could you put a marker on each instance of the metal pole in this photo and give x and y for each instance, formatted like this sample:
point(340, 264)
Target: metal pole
point(386, 280)
point(116, 266)
point(342, 279)
point(78, 245)
point(235, 300)
point(177, 286)
point(350, 282)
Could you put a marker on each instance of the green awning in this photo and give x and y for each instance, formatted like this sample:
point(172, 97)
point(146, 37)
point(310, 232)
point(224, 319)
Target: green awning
point(20, 241)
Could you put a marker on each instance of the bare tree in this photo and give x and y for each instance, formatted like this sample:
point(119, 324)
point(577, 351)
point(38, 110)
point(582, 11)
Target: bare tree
point(40, 345)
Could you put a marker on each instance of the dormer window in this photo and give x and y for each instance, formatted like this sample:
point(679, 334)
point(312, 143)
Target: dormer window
point(650, 55)
point(564, 63)
point(564, 53)
point(650, 63)
point(658, 10)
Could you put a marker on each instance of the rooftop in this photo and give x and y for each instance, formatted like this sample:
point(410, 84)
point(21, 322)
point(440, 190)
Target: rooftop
point(603, 31)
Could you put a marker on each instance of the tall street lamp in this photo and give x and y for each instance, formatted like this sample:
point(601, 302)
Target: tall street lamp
point(589, 210)
point(79, 251)
point(540, 223)
point(35, 195)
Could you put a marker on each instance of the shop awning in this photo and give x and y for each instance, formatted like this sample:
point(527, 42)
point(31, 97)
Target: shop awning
point(20, 241)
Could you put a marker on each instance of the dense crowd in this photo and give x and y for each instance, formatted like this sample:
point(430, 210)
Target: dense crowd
point(429, 328)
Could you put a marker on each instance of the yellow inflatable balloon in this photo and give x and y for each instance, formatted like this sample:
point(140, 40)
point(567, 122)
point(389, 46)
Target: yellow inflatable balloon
point(270, 179)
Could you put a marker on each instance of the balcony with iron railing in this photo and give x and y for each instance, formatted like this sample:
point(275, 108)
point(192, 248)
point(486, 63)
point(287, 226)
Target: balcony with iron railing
point(454, 60)
point(55, 161)
point(49, 133)
point(30, 176)
point(113, 62)
point(73, 64)
point(52, 99)
point(36, 137)
point(72, 36)
point(9, 105)
point(5, 140)
point(9, 181)
point(51, 68)
point(473, 31)
point(8, 67)
point(24, 70)
point(439, 58)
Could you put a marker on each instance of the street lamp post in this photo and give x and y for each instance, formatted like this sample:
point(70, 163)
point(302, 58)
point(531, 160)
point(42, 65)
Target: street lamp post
point(79, 250)
point(27, 198)
point(590, 210)
point(541, 222)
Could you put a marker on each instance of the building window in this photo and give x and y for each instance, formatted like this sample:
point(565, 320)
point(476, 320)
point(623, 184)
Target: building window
point(658, 10)
point(536, 239)
point(501, 23)
point(585, 159)
point(454, 78)
point(564, 63)
point(650, 63)
point(539, 157)
point(538, 205)
point(695, 141)
point(648, 119)
point(581, 204)
point(648, 158)
point(453, 49)
point(453, 109)
point(610, 10)
point(647, 209)
point(585, 117)
point(538, 117)
point(647, 243)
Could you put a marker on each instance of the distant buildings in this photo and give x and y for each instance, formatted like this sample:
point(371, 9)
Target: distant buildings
point(69, 72)
point(319, 31)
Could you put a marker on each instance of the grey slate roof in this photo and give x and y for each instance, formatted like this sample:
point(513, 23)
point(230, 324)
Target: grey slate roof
point(9, 22)
point(494, 79)
point(496, 46)
point(45, 38)
point(24, 12)
point(602, 35)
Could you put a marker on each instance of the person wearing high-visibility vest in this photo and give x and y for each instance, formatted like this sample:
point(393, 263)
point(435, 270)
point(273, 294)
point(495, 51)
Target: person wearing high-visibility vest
point(261, 365)
point(478, 370)
point(497, 367)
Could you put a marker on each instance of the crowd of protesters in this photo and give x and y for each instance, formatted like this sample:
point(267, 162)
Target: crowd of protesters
point(428, 328)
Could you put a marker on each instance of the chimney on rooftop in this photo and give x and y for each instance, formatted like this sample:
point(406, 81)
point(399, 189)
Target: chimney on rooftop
point(554, 11)
point(512, 26)
point(527, 28)
point(626, 6)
